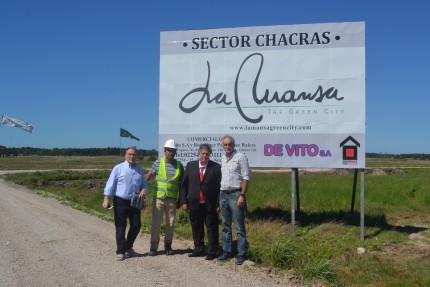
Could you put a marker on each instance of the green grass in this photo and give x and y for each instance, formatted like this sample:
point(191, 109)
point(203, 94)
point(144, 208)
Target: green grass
point(62, 162)
point(324, 244)
point(386, 163)
point(319, 269)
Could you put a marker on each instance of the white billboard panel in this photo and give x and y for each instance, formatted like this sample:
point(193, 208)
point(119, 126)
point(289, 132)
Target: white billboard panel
point(291, 96)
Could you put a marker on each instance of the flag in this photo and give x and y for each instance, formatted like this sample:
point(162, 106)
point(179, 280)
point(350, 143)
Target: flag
point(127, 134)
point(5, 120)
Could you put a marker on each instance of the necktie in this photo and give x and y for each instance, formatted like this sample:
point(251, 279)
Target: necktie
point(201, 179)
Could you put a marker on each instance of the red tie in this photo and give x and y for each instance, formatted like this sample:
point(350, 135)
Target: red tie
point(201, 179)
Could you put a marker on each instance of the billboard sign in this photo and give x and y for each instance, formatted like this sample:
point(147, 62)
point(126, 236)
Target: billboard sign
point(291, 96)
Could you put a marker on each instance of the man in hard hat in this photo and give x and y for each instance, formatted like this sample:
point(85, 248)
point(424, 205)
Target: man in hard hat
point(168, 174)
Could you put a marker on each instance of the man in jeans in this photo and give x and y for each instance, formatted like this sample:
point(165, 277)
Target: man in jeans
point(232, 202)
point(126, 179)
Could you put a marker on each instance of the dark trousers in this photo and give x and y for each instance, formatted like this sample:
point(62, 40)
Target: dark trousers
point(122, 211)
point(199, 218)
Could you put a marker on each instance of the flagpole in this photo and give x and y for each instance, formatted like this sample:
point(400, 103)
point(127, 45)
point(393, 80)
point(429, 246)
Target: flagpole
point(120, 145)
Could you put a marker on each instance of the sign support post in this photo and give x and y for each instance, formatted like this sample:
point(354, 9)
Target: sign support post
point(296, 178)
point(293, 201)
point(362, 204)
point(354, 189)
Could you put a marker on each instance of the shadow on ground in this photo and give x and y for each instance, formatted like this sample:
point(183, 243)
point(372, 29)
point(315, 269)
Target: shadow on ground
point(308, 219)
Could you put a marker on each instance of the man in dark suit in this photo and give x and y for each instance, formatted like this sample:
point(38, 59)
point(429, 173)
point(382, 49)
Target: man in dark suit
point(200, 190)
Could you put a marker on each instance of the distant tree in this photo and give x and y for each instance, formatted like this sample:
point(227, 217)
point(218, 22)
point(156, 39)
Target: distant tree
point(30, 151)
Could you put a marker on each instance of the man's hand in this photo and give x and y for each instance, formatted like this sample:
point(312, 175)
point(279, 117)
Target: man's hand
point(142, 194)
point(106, 202)
point(241, 202)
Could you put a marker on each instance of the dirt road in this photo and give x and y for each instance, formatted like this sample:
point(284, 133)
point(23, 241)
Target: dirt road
point(44, 243)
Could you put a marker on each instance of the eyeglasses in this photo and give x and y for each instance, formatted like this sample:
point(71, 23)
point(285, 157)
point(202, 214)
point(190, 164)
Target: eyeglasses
point(228, 144)
point(131, 154)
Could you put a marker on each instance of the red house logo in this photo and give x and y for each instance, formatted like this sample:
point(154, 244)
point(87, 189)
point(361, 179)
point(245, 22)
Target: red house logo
point(349, 149)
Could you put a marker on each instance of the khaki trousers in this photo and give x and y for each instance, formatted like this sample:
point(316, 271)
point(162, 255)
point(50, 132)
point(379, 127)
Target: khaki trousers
point(160, 207)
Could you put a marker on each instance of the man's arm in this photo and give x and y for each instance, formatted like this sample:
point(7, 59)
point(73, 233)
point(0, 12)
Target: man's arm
point(148, 175)
point(244, 187)
point(110, 187)
point(218, 186)
point(143, 187)
point(153, 170)
point(244, 169)
point(184, 189)
point(241, 199)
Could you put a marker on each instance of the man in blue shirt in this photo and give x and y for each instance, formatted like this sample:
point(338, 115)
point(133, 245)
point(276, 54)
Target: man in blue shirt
point(126, 180)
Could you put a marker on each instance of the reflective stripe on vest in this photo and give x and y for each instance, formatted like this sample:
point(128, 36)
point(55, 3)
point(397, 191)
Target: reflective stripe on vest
point(166, 187)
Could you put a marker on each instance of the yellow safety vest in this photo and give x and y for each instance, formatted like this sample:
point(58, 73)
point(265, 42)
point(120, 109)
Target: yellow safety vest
point(167, 188)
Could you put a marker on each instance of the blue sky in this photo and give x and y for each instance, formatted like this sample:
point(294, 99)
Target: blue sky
point(79, 70)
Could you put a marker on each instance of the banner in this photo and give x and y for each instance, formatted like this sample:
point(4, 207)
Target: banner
point(126, 134)
point(291, 96)
point(16, 123)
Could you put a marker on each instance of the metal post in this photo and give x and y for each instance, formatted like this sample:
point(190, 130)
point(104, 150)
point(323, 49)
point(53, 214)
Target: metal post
point(354, 189)
point(362, 204)
point(293, 201)
point(296, 178)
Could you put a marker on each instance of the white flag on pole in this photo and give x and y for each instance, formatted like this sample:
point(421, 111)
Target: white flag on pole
point(5, 120)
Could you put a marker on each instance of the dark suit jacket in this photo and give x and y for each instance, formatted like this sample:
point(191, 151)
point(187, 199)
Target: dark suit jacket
point(210, 186)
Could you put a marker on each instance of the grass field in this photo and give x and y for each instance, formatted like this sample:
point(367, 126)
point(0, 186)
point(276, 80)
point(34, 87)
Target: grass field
point(325, 245)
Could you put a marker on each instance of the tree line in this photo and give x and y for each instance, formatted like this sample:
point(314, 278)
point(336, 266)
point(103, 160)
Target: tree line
point(405, 156)
point(31, 151)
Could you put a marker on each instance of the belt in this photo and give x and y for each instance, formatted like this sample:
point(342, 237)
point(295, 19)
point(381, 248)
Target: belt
point(231, 191)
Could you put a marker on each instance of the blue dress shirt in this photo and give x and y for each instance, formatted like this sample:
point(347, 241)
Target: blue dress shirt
point(125, 180)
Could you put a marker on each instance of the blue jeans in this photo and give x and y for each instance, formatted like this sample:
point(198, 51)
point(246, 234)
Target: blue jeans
point(229, 212)
point(122, 211)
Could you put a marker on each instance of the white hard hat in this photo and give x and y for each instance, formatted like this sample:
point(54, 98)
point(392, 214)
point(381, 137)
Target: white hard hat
point(170, 144)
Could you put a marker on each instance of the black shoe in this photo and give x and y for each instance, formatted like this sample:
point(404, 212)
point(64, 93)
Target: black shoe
point(210, 257)
point(240, 260)
point(131, 253)
point(196, 254)
point(168, 248)
point(224, 256)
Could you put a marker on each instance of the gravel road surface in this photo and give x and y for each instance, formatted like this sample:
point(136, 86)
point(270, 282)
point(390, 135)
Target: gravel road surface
point(44, 243)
